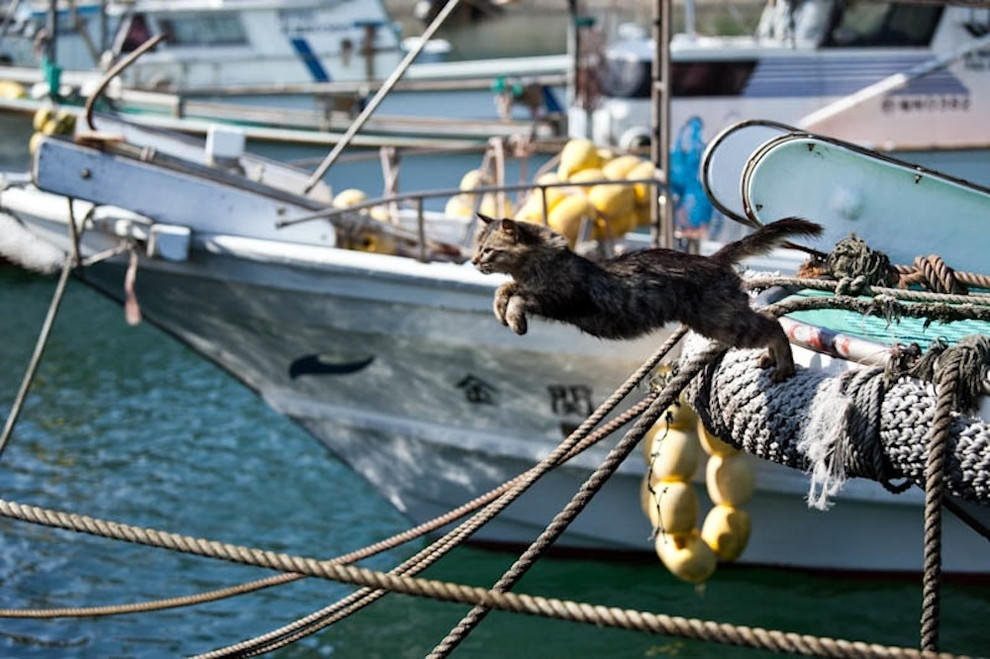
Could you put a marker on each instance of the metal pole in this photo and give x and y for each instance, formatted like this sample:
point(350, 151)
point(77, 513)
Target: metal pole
point(666, 90)
point(572, 52)
point(380, 95)
point(661, 212)
point(51, 24)
point(689, 19)
point(104, 28)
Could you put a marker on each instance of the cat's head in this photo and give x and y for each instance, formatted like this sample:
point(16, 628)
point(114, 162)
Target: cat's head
point(506, 245)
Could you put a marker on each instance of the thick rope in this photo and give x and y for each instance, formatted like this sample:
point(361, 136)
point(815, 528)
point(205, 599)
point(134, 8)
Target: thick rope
point(736, 404)
point(562, 520)
point(932, 272)
point(953, 366)
point(768, 281)
point(577, 441)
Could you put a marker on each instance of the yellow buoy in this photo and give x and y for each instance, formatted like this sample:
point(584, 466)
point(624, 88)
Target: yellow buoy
point(612, 200)
point(41, 116)
point(577, 154)
point(618, 168)
point(726, 531)
point(461, 205)
point(712, 444)
point(12, 89)
point(686, 556)
point(375, 242)
point(35, 141)
point(566, 217)
point(605, 154)
point(489, 206)
point(65, 122)
point(586, 176)
point(681, 417)
point(674, 507)
point(645, 496)
point(474, 179)
point(532, 209)
point(730, 479)
point(380, 213)
point(672, 454)
point(643, 170)
point(348, 197)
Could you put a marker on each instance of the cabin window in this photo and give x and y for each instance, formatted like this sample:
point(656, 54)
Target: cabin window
point(871, 24)
point(137, 33)
point(203, 29)
point(625, 77)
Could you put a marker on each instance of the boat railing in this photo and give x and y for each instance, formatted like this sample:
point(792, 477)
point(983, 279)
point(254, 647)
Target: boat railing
point(357, 215)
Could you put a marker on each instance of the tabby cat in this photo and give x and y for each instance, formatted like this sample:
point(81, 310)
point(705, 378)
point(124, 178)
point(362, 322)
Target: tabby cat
point(636, 292)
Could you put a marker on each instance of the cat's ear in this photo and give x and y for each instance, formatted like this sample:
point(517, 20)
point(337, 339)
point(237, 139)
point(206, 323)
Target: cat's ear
point(484, 218)
point(509, 228)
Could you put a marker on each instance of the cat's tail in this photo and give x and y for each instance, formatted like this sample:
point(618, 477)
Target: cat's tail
point(766, 238)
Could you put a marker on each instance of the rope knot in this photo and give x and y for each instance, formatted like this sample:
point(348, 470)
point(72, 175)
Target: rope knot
point(852, 285)
point(854, 261)
point(965, 367)
point(938, 276)
point(968, 362)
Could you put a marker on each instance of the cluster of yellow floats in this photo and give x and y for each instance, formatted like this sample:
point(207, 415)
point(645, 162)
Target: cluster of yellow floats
point(611, 209)
point(49, 121)
point(607, 209)
point(673, 449)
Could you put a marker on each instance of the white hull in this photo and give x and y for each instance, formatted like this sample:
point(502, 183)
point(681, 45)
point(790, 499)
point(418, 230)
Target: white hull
point(404, 421)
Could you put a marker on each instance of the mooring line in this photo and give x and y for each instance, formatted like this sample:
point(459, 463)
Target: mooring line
point(452, 592)
point(39, 350)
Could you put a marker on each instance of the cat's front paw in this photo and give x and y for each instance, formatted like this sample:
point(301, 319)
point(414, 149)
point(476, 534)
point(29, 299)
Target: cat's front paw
point(501, 302)
point(515, 316)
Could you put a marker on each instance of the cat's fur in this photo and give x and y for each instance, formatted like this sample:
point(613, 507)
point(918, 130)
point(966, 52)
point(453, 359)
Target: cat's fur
point(636, 292)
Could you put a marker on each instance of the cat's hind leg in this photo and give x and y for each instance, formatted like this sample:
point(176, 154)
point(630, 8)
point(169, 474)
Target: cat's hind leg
point(754, 329)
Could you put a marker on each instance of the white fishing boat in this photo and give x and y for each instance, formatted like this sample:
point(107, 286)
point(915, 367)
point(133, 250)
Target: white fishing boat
point(287, 73)
point(224, 43)
point(395, 361)
point(910, 80)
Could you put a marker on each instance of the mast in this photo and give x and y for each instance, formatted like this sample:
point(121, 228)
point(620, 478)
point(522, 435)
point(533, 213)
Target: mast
point(662, 209)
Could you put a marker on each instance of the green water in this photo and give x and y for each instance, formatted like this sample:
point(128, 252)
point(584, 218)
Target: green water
point(126, 424)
